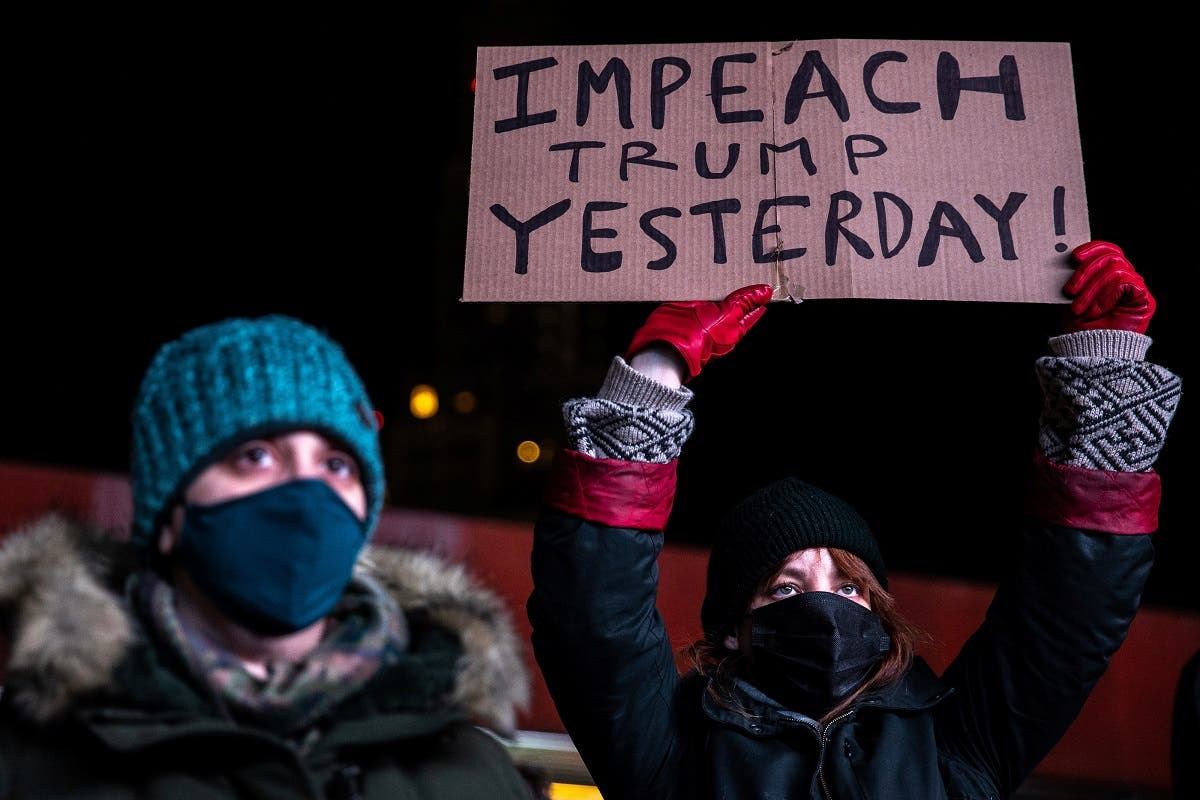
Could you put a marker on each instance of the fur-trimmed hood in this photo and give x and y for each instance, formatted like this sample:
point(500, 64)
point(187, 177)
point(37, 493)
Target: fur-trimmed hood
point(68, 625)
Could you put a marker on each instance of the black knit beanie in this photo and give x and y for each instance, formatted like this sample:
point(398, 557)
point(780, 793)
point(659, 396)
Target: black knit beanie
point(765, 528)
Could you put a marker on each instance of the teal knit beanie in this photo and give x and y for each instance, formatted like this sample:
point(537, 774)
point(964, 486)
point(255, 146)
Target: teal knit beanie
point(233, 380)
point(762, 530)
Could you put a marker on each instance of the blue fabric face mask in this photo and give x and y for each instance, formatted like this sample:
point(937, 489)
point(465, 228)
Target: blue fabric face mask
point(275, 561)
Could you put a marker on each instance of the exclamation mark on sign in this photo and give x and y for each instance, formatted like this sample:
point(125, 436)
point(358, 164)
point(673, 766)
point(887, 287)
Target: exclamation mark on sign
point(1060, 222)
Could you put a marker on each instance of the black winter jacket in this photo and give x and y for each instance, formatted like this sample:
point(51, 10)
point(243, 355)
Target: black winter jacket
point(976, 731)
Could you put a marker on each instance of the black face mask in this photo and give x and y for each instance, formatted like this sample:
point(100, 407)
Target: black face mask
point(812, 651)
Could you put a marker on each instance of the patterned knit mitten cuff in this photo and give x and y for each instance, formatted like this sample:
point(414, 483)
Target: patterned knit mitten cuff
point(633, 419)
point(1105, 413)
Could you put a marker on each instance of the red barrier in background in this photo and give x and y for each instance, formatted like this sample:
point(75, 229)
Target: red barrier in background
point(1121, 737)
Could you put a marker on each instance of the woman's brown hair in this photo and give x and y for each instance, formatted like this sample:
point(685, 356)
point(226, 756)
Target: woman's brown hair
point(721, 664)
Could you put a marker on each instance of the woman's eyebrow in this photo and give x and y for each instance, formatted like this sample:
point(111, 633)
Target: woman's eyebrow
point(791, 573)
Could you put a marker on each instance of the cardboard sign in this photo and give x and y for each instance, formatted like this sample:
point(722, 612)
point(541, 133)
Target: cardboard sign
point(935, 170)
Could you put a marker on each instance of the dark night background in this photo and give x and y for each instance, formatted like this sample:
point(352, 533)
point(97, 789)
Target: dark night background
point(173, 170)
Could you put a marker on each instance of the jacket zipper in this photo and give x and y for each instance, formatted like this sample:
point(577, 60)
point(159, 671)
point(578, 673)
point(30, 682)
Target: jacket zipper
point(824, 737)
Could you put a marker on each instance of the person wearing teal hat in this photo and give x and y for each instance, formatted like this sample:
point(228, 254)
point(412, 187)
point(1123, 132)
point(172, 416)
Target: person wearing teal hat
point(246, 639)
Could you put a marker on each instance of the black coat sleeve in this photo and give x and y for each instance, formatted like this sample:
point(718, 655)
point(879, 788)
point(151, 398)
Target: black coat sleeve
point(603, 649)
point(1022, 678)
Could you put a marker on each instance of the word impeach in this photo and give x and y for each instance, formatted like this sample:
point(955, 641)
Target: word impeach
point(847, 168)
point(950, 85)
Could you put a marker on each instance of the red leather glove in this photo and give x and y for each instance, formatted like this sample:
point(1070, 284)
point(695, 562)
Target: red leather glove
point(703, 329)
point(1106, 291)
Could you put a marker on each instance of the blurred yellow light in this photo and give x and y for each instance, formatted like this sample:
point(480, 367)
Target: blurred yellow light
point(573, 791)
point(464, 402)
point(423, 401)
point(528, 452)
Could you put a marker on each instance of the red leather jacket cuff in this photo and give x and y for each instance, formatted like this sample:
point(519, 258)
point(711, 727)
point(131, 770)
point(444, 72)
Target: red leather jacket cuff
point(623, 494)
point(1113, 502)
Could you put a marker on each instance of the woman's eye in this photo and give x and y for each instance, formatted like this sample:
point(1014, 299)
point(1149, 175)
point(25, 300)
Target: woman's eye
point(255, 455)
point(783, 590)
point(342, 465)
point(849, 590)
